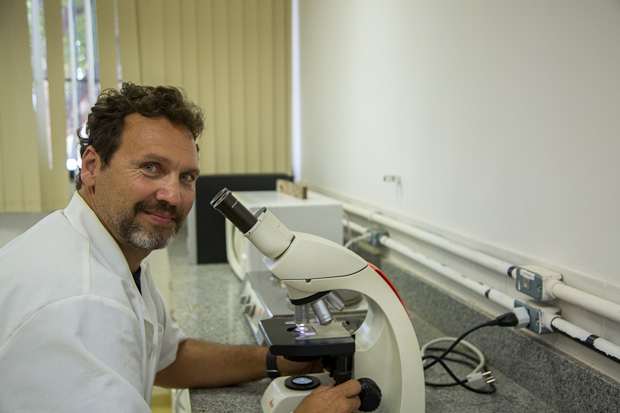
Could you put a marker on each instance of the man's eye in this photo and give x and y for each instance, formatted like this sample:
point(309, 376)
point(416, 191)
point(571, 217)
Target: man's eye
point(187, 177)
point(149, 167)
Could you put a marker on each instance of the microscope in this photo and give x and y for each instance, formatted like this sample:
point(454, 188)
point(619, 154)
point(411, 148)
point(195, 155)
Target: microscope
point(382, 352)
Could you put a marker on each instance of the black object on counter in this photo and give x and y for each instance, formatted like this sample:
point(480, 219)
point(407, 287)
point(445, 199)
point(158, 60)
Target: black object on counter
point(210, 225)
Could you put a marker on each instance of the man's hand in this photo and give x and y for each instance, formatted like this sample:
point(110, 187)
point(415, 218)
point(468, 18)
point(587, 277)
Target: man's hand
point(332, 399)
point(293, 368)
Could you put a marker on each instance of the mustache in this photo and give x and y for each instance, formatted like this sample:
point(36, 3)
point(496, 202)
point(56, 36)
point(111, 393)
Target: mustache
point(159, 206)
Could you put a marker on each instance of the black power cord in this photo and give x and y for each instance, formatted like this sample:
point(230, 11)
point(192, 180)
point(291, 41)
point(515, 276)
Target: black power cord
point(477, 382)
point(487, 380)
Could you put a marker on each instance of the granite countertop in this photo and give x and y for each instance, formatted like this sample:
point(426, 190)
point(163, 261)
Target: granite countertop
point(206, 307)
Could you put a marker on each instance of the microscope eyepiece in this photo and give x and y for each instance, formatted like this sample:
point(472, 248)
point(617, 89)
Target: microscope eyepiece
point(226, 203)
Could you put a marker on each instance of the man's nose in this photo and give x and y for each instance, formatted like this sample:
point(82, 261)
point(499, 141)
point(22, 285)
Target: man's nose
point(169, 191)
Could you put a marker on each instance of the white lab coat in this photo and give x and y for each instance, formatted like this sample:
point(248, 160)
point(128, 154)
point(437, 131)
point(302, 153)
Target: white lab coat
point(75, 333)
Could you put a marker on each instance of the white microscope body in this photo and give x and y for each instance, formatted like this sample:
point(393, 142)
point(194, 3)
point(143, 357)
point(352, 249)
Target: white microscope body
point(386, 347)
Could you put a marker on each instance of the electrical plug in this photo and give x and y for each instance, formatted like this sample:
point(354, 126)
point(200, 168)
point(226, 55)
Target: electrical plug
point(505, 320)
point(519, 317)
point(479, 381)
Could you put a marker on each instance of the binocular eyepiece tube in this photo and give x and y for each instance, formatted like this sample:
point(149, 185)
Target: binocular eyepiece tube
point(226, 203)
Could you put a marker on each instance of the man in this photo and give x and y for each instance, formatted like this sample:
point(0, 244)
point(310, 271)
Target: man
point(82, 326)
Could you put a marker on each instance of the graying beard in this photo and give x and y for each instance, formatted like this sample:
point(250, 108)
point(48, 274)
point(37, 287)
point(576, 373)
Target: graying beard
point(145, 241)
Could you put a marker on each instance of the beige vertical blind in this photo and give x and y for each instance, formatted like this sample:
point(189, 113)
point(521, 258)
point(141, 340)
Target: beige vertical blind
point(231, 57)
point(55, 181)
point(18, 145)
point(28, 180)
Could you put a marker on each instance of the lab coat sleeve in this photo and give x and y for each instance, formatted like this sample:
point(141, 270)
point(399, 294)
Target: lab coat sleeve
point(81, 354)
point(172, 335)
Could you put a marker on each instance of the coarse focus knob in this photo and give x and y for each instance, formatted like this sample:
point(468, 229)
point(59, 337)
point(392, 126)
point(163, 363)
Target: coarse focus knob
point(370, 396)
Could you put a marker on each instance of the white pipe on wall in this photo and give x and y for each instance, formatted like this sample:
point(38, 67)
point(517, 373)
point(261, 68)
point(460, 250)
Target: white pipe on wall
point(607, 309)
point(354, 226)
point(596, 343)
point(556, 289)
point(495, 296)
point(553, 323)
point(486, 261)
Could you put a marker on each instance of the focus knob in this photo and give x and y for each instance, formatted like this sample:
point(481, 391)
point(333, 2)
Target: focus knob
point(370, 396)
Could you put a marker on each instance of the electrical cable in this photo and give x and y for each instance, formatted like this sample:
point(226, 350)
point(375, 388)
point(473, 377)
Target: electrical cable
point(451, 360)
point(474, 349)
point(505, 320)
point(355, 240)
point(460, 353)
point(463, 383)
point(476, 380)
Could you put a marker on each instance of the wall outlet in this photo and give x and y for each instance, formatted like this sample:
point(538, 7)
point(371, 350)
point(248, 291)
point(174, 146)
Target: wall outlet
point(532, 280)
point(536, 316)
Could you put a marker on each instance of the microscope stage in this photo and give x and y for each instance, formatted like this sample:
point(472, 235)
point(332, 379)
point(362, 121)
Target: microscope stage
point(283, 339)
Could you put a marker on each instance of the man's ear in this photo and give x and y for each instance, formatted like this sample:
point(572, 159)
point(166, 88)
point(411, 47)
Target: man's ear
point(91, 165)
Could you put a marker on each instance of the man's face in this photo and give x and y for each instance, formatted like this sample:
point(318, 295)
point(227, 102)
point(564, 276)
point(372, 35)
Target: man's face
point(147, 189)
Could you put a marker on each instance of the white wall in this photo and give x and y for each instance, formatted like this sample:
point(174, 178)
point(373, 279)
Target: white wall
point(501, 117)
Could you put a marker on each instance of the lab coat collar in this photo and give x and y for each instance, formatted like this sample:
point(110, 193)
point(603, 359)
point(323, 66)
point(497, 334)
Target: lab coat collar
point(86, 222)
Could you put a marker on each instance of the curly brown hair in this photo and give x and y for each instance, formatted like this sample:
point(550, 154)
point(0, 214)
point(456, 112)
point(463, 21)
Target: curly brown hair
point(107, 117)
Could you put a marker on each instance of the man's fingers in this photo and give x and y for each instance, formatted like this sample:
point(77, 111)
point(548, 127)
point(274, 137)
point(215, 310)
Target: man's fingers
point(350, 388)
point(330, 398)
point(323, 388)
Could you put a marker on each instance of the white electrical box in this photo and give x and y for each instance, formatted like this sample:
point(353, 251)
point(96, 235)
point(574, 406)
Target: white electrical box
point(318, 215)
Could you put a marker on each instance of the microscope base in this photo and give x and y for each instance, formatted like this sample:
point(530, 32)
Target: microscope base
point(278, 398)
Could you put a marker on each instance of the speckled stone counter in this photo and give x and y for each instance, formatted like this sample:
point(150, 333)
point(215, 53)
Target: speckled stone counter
point(206, 307)
point(206, 299)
